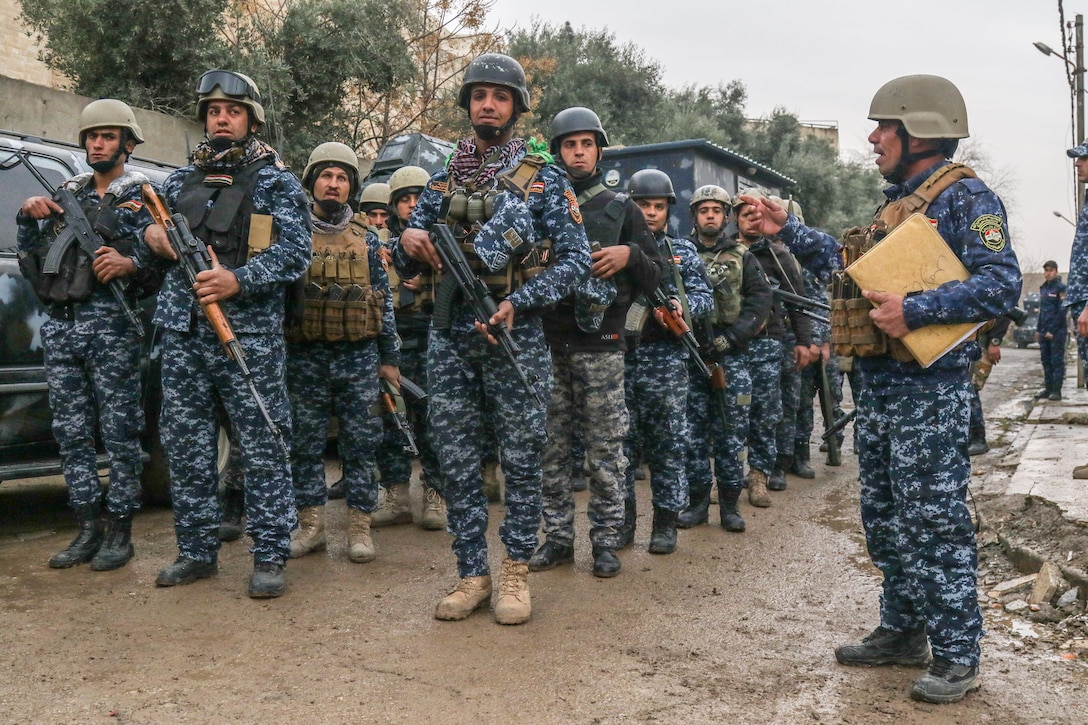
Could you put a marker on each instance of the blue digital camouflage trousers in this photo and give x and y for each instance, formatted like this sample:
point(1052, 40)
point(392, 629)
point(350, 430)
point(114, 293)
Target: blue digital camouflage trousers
point(194, 370)
point(765, 356)
point(92, 368)
point(339, 378)
point(394, 463)
point(717, 436)
point(466, 374)
point(914, 467)
point(786, 430)
point(587, 396)
point(656, 385)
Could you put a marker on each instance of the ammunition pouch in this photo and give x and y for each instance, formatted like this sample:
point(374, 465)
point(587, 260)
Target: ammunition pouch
point(73, 282)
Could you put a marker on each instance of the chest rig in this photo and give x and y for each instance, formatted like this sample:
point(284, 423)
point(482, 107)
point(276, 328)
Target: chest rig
point(852, 330)
point(219, 208)
point(340, 303)
point(725, 272)
point(467, 207)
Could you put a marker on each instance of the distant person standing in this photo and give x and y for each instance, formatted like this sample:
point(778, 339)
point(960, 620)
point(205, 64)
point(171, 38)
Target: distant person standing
point(1051, 331)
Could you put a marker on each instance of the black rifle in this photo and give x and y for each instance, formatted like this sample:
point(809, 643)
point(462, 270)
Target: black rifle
point(839, 425)
point(391, 402)
point(809, 308)
point(458, 277)
point(194, 258)
point(827, 407)
point(75, 228)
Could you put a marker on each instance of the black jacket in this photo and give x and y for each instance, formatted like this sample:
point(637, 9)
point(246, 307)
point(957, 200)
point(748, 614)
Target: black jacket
point(642, 274)
point(755, 292)
point(775, 260)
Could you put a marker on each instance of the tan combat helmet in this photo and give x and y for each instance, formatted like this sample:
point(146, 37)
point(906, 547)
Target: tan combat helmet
point(711, 192)
point(331, 153)
point(407, 180)
point(752, 193)
point(228, 85)
point(792, 207)
point(927, 106)
point(108, 112)
point(374, 195)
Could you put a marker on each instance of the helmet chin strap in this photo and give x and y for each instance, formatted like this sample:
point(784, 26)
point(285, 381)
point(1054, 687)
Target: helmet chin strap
point(104, 167)
point(899, 173)
point(491, 133)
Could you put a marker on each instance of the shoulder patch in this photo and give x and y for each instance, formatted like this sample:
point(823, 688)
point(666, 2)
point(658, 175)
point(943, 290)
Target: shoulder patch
point(575, 212)
point(990, 231)
point(440, 186)
point(537, 187)
point(131, 205)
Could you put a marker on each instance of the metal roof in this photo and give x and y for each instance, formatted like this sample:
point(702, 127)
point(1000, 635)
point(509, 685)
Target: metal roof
point(723, 154)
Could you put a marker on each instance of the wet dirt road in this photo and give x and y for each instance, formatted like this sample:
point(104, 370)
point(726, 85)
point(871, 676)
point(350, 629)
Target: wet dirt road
point(730, 626)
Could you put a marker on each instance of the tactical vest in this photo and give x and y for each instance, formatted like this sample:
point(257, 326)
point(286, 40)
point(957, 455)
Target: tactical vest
point(229, 226)
point(340, 304)
point(853, 332)
point(725, 272)
point(74, 280)
point(467, 207)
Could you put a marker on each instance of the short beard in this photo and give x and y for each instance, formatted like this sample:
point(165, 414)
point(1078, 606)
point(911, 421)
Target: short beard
point(220, 143)
point(578, 174)
point(330, 208)
point(710, 232)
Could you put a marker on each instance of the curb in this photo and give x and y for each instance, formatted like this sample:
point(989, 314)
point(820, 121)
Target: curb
point(1030, 561)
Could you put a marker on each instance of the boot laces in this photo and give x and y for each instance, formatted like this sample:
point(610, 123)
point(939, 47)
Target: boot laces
point(434, 499)
point(940, 667)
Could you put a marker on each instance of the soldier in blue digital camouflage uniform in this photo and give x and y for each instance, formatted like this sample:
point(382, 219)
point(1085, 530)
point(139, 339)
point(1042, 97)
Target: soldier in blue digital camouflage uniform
point(1052, 331)
point(413, 300)
point(344, 341)
point(1076, 289)
point(92, 349)
point(779, 350)
point(742, 303)
point(655, 369)
point(466, 371)
point(585, 334)
point(912, 427)
point(253, 214)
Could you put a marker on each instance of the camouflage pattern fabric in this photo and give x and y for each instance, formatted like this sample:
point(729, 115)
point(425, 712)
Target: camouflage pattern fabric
point(92, 363)
point(194, 371)
point(710, 438)
point(586, 397)
point(765, 359)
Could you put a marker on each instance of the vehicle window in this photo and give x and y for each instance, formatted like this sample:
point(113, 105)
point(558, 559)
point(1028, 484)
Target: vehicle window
point(17, 184)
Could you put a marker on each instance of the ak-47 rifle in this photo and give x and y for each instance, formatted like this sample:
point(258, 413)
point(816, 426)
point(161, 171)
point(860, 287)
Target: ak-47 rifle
point(194, 258)
point(75, 228)
point(809, 308)
point(827, 408)
point(838, 425)
point(458, 277)
point(391, 403)
point(673, 320)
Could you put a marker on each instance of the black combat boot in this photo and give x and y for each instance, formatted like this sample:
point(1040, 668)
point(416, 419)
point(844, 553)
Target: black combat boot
point(727, 505)
point(267, 581)
point(185, 571)
point(605, 562)
point(116, 549)
point(976, 443)
point(234, 508)
point(945, 682)
point(627, 530)
point(663, 537)
point(801, 469)
point(886, 647)
point(777, 479)
point(550, 555)
point(85, 545)
point(696, 513)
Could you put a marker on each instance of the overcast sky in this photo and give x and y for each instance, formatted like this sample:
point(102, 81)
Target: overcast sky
point(824, 60)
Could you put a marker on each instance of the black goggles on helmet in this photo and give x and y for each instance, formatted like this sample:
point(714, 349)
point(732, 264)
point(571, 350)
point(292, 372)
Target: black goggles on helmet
point(229, 82)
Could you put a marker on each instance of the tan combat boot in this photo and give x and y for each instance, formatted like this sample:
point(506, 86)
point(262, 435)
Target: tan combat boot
point(1081, 472)
point(470, 594)
point(361, 547)
point(310, 534)
point(434, 510)
point(513, 606)
point(757, 489)
point(394, 508)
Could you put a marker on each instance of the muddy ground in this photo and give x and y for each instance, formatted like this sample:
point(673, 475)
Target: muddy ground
point(730, 626)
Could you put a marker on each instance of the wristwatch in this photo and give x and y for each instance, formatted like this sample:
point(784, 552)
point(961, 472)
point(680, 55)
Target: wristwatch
point(995, 341)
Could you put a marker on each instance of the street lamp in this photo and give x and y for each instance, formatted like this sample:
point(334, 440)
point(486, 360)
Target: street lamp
point(1076, 83)
point(1063, 216)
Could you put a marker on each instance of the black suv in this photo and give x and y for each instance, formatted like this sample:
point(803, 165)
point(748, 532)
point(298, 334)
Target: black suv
point(1024, 335)
point(27, 447)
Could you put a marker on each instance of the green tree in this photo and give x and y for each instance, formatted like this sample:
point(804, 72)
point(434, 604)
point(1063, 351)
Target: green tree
point(567, 68)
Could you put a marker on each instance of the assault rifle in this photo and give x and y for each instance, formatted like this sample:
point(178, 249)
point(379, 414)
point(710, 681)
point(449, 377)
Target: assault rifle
point(673, 321)
point(391, 402)
point(458, 277)
point(194, 258)
point(75, 228)
point(827, 408)
point(809, 308)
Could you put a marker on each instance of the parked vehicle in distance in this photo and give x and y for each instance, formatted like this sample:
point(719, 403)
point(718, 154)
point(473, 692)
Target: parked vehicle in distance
point(1024, 334)
point(27, 447)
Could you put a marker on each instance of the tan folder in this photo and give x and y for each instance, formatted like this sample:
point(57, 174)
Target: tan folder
point(914, 258)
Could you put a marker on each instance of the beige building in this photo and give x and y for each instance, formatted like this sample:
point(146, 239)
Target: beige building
point(18, 53)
